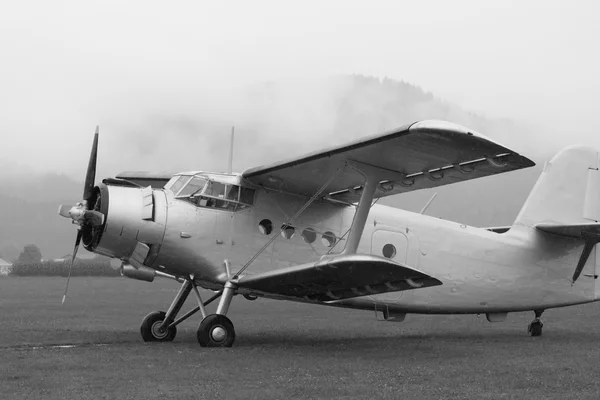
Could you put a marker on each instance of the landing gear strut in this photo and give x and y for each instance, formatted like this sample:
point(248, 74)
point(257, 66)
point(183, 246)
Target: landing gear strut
point(535, 327)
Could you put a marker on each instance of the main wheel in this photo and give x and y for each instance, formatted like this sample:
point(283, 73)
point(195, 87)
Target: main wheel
point(216, 331)
point(535, 328)
point(151, 331)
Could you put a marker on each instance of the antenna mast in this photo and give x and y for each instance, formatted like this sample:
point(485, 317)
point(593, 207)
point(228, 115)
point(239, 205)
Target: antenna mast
point(230, 166)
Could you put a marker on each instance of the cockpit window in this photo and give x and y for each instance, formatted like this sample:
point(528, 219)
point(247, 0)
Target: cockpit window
point(177, 183)
point(233, 192)
point(211, 194)
point(215, 189)
point(193, 187)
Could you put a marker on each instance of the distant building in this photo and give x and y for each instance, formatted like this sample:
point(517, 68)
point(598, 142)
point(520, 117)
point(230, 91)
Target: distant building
point(5, 267)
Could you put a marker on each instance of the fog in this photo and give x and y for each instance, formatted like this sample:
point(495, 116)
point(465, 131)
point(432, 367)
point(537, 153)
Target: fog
point(166, 81)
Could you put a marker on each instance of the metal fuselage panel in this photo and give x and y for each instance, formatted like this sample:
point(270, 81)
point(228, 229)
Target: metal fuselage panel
point(198, 240)
point(481, 271)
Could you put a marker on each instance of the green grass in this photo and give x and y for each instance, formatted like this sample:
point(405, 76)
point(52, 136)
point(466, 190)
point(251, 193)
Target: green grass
point(283, 350)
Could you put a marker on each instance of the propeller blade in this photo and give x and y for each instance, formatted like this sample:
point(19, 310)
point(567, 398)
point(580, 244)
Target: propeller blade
point(63, 211)
point(90, 176)
point(94, 218)
point(77, 241)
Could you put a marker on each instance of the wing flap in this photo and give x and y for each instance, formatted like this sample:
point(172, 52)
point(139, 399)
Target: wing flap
point(339, 277)
point(418, 156)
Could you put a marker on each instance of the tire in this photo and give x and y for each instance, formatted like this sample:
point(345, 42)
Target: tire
point(535, 329)
point(150, 325)
point(207, 337)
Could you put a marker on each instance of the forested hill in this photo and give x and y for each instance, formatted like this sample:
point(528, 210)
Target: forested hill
point(283, 122)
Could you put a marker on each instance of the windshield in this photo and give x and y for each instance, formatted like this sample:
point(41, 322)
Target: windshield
point(177, 182)
point(195, 185)
point(212, 194)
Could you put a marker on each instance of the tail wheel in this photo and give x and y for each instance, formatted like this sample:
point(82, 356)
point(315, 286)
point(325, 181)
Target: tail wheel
point(151, 328)
point(216, 331)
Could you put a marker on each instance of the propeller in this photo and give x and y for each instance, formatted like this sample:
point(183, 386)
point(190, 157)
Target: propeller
point(80, 213)
point(77, 241)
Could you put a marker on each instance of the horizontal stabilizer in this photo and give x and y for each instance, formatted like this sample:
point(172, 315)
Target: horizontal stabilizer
point(574, 231)
point(339, 277)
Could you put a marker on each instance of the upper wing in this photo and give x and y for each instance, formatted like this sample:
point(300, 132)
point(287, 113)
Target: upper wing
point(338, 277)
point(145, 178)
point(417, 156)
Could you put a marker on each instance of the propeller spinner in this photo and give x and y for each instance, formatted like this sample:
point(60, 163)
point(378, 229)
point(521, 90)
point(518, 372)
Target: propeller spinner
point(80, 213)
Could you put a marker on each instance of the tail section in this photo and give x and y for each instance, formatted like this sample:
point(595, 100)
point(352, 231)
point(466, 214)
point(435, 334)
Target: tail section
point(567, 192)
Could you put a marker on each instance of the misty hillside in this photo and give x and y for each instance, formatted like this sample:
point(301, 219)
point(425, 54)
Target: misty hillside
point(355, 107)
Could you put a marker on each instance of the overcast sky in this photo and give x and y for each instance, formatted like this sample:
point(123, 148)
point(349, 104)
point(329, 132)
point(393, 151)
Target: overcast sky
point(67, 66)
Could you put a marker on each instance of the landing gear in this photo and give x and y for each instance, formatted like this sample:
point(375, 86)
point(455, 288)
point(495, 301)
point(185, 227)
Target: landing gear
point(152, 328)
point(216, 331)
point(535, 327)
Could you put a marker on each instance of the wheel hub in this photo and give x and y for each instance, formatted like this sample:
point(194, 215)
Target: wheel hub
point(218, 334)
point(157, 331)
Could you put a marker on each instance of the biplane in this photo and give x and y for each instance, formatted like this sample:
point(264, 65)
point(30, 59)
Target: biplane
point(308, 230)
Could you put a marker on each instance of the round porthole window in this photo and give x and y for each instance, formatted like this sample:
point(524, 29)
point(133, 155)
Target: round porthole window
point(328, 239)
point(309, 235)
point(287, 231)
point(265, 227)
point(389, 251)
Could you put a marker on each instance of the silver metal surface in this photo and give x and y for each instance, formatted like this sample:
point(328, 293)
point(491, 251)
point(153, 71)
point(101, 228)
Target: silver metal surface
point(424, 148)
point(426, 206)
point(290, 221)
point(177, 303)
point(218, 334)
point(362, 212)
point(527, 267)
point(228, 292)
point(195, 310)
point(141, 273)
point(199, 298)
point(349, 275)
point(158, 331)
point(125, 227)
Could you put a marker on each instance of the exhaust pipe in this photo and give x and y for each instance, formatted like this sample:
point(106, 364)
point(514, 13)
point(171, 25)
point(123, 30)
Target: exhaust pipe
point(142, 273)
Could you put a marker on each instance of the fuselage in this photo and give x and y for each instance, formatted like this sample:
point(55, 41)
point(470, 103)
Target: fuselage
point(481, 271)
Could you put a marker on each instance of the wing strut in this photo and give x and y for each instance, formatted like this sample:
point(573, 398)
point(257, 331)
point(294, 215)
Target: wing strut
point(373, 176)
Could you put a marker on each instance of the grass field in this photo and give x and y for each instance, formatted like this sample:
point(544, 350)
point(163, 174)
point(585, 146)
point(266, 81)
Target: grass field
point(283, 350)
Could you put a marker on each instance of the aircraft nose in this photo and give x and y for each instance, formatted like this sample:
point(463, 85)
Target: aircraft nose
point(134, 225)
